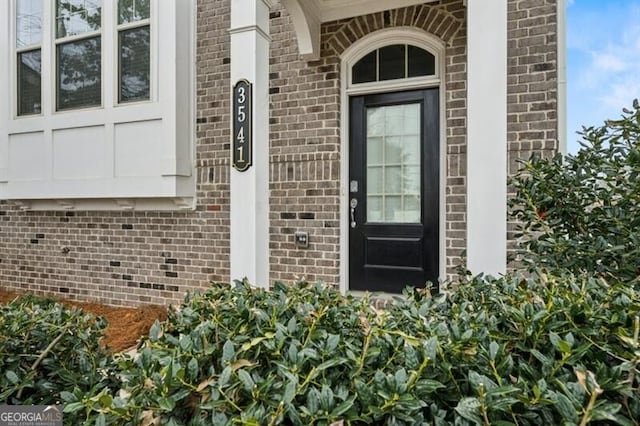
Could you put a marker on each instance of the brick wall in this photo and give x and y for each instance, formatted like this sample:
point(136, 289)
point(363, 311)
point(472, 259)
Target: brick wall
point(124, 258)
point(532, 84)
point(304, 155)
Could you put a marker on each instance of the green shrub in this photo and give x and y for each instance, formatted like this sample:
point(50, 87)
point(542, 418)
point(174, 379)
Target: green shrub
point(47, 349)
point(541, 350)
point(582, 212)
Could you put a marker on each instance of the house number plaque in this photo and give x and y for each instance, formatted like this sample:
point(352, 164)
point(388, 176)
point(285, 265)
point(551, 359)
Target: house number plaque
point(242, 142)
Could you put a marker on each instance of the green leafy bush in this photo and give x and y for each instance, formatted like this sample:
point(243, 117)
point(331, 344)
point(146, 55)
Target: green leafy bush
point(47, 349)
point(582, 212)
point(541, 350)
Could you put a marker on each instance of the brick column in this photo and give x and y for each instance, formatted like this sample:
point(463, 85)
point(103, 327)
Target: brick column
point(250, 189)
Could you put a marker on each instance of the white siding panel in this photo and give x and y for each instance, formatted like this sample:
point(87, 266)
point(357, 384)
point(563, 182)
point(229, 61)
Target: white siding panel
point(27, 157)
point(78, 153)
point(137, 149)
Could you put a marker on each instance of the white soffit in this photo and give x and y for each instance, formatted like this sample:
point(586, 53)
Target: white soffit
point(331, 10)
point(308, 15)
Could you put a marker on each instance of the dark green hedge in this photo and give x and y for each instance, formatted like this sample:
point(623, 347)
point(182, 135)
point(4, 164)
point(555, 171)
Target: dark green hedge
point(525, 351)
point(47, 349)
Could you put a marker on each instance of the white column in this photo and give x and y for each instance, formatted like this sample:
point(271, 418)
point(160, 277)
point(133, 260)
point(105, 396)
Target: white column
point(487, 136)
point(250, 189)
point(561, 28)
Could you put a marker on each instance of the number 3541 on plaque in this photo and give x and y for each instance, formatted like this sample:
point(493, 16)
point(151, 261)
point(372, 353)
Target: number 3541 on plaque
point(242, 137)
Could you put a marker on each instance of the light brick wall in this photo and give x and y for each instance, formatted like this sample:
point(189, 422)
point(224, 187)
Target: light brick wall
point(532, 80)
point(124, 258)
point(304, 155)
point(532, 99)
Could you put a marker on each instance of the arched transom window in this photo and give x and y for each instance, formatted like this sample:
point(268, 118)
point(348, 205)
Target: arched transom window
point(393, 62)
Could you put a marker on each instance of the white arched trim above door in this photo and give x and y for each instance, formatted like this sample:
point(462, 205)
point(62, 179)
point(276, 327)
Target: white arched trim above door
point(388, 37)
point(351, 55)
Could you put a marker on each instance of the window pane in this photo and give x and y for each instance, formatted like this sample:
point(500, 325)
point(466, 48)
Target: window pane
point(411, 180)
point(392, 62)
point(77, 17)
point(411, 117)
point(79, 74)
point(374, 209)
point(393, 150)
point(421, 62)
point(28, 22)
point(29, 83)
point(132, 10)
point(374, 151)
point(393, 172)
point(393, 180)
point(364, 71)
point(375, 126)
point(134, 64)
point(374, 180)
point(394, 120)
point(412, 209)
point(411, 149)
point(393, 209)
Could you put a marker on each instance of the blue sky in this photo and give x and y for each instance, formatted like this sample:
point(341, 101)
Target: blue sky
point(603, 61)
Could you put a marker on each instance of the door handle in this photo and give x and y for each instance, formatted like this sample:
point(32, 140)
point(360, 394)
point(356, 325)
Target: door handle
point(353, 204)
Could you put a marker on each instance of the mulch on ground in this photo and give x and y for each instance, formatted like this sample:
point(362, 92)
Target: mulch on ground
point(126, 325)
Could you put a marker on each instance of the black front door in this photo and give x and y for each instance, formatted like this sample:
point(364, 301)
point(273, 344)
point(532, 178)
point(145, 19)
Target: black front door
point(393, 190)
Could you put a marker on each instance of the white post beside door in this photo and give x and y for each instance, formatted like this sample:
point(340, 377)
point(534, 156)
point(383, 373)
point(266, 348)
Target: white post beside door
point(487, 136)
point(250, 189)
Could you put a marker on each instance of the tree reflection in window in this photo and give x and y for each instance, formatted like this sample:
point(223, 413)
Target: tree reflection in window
point(79, 74)
point(134, 39)
point(29, 56)
point(75, 17)
point(29, 82)
point(132, 11)
point(134, 64)
point(79, 59)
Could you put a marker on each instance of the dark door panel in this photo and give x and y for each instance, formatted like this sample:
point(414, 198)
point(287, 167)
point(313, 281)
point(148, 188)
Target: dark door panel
point(394, 183)
point(390, 252)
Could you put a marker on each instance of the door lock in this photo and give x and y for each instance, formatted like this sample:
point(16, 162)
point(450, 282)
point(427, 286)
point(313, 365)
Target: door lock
point(353, 204)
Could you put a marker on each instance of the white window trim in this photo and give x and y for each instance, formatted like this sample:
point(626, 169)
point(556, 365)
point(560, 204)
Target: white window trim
point(376, 40)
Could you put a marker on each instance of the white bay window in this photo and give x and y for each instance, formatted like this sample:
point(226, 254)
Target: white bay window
point(97, 115)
